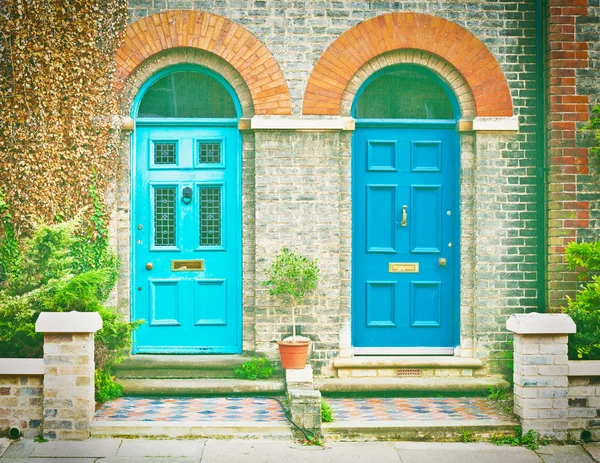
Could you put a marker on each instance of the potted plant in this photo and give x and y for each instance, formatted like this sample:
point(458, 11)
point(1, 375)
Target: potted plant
point(290, 278)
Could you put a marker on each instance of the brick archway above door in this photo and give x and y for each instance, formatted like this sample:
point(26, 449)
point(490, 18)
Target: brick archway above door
point(395, 31)
point(215, 34)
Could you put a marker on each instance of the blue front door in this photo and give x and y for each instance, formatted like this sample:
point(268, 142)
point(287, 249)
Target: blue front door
point(405, 236)
point(187, 239)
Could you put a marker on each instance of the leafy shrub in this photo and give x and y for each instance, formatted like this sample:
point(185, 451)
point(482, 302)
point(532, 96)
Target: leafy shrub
point(106, 388)
point(594, 125)
point(326, 412)
point(255, 368)
point(585, 308)
point(50, 278)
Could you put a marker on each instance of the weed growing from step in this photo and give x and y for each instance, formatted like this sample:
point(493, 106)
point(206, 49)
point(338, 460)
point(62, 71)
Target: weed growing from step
point(528, 440)
point(502, 398)
point(326, 412)
point(467, 436)
point(255, 368)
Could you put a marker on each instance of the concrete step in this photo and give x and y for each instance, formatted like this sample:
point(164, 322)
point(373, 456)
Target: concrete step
point(409, 386)
point(180, 366)
point(421, 431)
point(225, 429)
point(200, 387)
point(407, 366)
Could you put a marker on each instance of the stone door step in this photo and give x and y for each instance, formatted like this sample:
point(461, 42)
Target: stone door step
point(179, 366)
point(423, 431)
point(391, 386)
point(200, 387)
point(190, 429)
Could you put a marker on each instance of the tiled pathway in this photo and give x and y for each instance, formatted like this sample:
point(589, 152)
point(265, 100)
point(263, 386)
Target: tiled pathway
point(414, 409)
point(211, 410)
point(262, 410)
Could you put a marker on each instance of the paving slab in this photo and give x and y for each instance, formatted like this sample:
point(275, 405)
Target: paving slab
point(593, 449)
point(158, 448)
point(4, 443)
point(563, 454)
point(144, 460)
point(427, 452)
point(19, 449)
point(263, 451)
point(49, 460)
point(92, 448)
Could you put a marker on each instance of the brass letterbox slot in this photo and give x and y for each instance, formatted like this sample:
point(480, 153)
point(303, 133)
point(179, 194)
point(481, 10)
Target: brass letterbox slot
point(194, 265)
point(403, 267)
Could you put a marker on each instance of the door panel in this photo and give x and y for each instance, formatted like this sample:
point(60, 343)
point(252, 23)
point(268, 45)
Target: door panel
point(405, 219)
point(187, 240)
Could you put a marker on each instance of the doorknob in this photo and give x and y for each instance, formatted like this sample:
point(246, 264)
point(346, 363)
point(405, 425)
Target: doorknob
point(149, 266)
point(442, 261)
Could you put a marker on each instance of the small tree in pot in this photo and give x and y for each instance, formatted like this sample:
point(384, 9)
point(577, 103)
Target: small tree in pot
point(291, 277)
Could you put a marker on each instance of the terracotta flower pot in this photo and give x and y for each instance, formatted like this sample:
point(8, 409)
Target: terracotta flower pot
point(293, 354)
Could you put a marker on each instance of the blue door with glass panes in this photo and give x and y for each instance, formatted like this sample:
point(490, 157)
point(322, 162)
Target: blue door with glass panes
point(186, 238)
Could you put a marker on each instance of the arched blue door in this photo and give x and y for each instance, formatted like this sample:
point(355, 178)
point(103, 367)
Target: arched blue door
point(186, 236)
point(405, 214)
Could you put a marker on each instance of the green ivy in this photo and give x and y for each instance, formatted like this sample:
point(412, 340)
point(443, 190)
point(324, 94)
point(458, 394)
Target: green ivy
point(585, 308)
point(9, 246)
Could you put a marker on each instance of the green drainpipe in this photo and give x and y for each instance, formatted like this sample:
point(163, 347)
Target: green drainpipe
point(541, 158)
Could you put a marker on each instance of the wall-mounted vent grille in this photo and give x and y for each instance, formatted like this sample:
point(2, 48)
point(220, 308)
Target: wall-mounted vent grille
point(409, 372)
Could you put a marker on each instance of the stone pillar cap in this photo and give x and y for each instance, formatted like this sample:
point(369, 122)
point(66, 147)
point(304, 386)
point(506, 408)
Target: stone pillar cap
point(68, 322)
point(541, 323)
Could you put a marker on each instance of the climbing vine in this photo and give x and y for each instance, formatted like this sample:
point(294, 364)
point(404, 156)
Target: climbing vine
point(57, 99)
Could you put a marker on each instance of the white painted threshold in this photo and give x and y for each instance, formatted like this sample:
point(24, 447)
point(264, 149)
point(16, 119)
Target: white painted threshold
point(313, 123)
point(407, 361)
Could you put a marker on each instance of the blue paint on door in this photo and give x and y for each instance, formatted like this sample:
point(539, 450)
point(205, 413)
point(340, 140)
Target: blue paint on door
point(186, 237)
point(405, 211)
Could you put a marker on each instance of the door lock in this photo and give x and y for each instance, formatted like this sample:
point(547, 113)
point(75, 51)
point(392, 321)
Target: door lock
point(442, 261)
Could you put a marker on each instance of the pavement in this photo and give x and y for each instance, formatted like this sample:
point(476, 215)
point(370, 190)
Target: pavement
point(266, 451)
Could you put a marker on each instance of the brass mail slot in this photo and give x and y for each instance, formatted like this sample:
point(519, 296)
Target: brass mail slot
point(400, 267)
point(194, 265)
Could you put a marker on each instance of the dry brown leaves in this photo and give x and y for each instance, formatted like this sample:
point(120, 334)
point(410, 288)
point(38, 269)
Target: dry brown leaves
point(56, 98)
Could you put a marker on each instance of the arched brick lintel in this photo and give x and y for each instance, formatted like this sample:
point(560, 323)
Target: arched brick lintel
point(396, 31)
point(213, 33)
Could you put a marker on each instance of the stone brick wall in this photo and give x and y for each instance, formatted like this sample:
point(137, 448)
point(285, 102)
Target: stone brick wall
point(21, 403)
point(500, 217)
point(584, 406)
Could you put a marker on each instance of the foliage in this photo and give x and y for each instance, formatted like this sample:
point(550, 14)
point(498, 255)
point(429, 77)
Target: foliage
point(49, 279)
point(466, 436)
point(9, 246)
point(585, 308)
point(326, 412)
point(255, 368)
point(594, 125)
point(57, 97)
point(106, 388)
point(529, 439)
point(497, 394)
point(291, 277)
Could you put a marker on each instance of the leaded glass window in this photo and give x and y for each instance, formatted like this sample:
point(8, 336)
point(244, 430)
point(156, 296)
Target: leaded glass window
point(404, 93)
point(164, 216)
point(209, 152)
point(210, 216)
point(187, 94)
point(165, 153)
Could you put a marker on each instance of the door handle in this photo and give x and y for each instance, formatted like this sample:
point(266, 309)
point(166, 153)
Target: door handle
point(442, 261)
point(149, 266)
point(403, 224)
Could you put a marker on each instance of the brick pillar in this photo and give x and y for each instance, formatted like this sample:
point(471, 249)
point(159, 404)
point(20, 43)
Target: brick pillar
point(304, 400)
point(541, 372)
point(68, 406)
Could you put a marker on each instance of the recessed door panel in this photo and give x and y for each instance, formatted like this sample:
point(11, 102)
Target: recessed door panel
point(381, 218)
point(164, 303)
point(405, 237)
point(211, 302)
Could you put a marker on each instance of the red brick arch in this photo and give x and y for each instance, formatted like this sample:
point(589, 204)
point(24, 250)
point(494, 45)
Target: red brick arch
point(394, 31)
point(207, 31)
